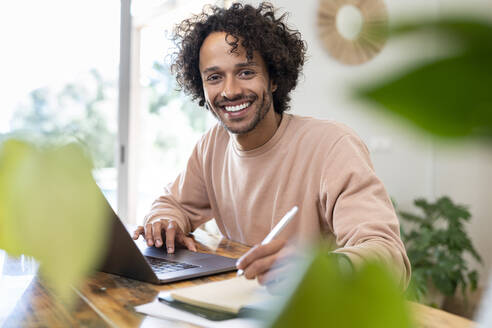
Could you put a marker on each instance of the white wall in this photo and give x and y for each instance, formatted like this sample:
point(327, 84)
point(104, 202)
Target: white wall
point(412, 165)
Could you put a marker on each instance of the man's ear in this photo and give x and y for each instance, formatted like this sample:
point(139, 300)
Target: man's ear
point(273, 86)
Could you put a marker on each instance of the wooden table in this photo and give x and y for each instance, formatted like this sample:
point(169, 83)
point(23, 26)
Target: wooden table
point(109, 300)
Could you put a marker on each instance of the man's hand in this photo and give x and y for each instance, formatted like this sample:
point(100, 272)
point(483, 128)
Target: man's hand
point(266, 262)
point(153, 233)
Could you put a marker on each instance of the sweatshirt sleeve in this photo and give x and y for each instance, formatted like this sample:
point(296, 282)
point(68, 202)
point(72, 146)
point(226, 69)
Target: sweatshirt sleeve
point(185, 200)
point(358, 209)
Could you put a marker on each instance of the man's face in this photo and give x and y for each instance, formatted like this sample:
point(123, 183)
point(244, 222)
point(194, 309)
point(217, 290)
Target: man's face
point(238, 91)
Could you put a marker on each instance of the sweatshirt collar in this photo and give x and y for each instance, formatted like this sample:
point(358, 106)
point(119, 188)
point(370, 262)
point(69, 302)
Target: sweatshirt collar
point(269, 144)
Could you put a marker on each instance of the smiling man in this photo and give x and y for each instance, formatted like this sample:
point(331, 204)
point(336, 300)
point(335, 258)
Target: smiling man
point(241, 63)
point(238, 90)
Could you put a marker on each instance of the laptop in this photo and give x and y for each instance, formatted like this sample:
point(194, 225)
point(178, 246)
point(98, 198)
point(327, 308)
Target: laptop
point(134, 259)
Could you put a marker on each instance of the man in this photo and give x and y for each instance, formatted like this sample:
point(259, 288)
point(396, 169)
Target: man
point(249, 170)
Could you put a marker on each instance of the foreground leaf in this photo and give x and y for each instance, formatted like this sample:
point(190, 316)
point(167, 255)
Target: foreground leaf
point(327, 296)
point(51, 209)
point(450, 96)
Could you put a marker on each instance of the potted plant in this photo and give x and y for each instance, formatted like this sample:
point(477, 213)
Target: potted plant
point(436, 244)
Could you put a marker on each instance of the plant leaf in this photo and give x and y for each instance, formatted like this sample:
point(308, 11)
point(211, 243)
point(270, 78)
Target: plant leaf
point(328, 297)
point(51, 209)
point(473, 34)
point(449, 97)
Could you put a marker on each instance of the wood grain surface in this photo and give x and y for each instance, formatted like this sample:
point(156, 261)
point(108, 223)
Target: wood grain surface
point(106, 300)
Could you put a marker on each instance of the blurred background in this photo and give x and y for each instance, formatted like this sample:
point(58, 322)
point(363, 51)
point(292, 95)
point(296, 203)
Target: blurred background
point(97, 71)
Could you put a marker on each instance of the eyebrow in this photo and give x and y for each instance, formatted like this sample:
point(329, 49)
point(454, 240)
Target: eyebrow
point(240, 65)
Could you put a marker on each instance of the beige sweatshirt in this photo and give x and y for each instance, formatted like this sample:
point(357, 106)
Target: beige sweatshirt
point(321, 166)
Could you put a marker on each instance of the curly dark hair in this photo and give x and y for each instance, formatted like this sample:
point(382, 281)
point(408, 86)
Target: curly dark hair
point(257, 29)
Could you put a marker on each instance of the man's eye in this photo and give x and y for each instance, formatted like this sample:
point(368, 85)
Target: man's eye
point(247, 74)
point(213, 77)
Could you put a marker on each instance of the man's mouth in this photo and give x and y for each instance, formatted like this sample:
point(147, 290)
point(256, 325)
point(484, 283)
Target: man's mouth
point(237, 108)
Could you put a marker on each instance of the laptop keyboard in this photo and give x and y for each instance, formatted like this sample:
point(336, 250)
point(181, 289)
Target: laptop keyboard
point(164, 266)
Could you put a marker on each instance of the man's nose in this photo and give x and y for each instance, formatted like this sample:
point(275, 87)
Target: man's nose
point(231, 89)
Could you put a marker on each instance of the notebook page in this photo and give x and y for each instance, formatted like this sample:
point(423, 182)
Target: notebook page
point(226, 295)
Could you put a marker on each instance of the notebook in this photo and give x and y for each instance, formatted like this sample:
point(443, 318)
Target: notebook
point(229, 296)
point(224, 300)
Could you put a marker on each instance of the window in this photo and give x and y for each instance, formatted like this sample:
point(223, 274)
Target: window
point(59, 75)
point(168, 123)
point(61, 70)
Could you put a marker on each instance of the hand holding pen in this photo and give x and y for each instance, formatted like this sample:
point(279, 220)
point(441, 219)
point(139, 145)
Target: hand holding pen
point(257, 261)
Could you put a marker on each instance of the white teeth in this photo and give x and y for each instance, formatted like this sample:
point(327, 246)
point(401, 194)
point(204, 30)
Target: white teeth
point(236, 108)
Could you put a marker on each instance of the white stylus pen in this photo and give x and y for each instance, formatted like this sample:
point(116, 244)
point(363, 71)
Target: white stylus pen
point(276, 230)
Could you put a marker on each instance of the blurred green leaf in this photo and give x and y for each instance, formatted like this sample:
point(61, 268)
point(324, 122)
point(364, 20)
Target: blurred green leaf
point(472, 34)
point(50, 209)
point(327, 296)
point(450, 96)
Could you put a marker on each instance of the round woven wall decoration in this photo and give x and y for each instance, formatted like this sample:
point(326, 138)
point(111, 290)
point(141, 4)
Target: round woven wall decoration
point(368, 41)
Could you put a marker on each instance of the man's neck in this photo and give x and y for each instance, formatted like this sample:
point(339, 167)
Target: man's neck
point(263, 132)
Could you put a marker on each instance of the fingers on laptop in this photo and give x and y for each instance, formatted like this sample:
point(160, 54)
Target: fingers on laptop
point(187, 241)
point(139, 231)
point(153, 235)
point(157, 228)
point(170, 234)
point(154, 231)
point(173, 234)
point(148, 234)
